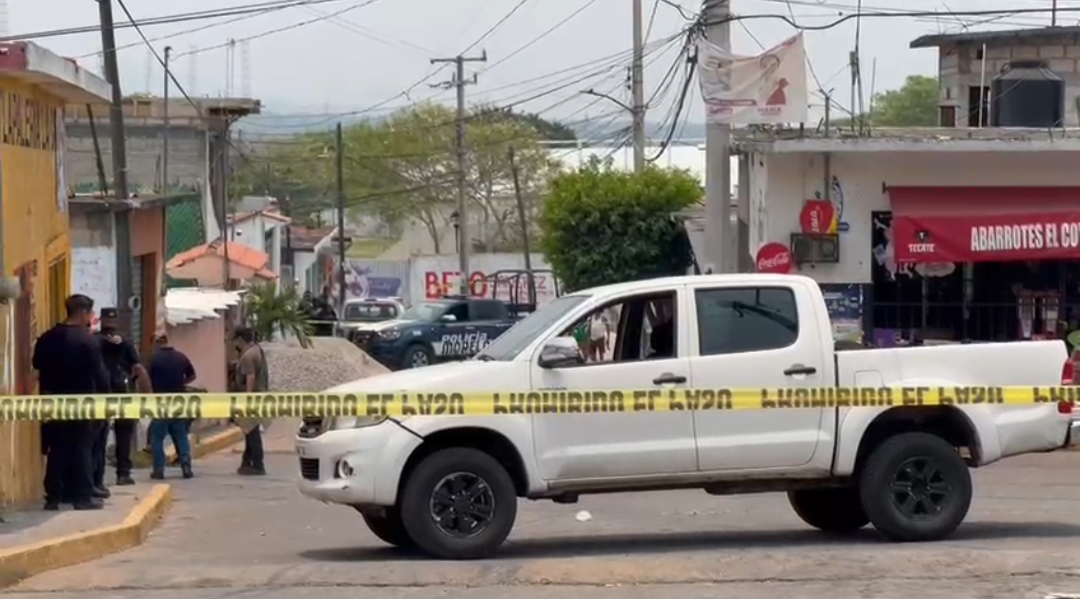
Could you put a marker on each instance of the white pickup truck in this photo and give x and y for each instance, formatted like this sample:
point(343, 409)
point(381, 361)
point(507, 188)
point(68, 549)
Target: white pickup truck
point(449, 486)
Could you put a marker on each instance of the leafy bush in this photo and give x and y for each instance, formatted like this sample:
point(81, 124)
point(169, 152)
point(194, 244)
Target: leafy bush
point(270, 311)
point(601, 226)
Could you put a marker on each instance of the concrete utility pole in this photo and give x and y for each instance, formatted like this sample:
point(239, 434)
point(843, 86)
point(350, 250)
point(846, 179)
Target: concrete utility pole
point(119, 156)
point(459, 82)
point(637, 85)
point(165, 128)
point(719, 242)
point(339, 168)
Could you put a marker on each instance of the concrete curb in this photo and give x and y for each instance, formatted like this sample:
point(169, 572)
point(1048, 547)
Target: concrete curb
point(20, 563)
point(208, 445)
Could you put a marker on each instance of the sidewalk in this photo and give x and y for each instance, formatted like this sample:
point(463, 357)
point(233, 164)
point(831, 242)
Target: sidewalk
point(34, 541)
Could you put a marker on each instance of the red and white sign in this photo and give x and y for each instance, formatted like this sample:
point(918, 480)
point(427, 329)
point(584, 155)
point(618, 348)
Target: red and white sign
point(432, 277)
point(744, 90)
point(817, 217)
point(774, 258)
point(988, 238)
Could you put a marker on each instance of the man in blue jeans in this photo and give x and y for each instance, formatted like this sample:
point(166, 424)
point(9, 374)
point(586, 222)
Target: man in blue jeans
point(170, 372)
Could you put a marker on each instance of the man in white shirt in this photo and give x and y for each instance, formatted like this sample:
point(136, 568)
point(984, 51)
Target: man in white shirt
point(599, 331)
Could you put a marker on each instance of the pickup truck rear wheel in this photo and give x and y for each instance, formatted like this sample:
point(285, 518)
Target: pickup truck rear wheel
point(459, 503)
point(915, 487)
point(417, 356)
point(389, 528)
point(836, 511)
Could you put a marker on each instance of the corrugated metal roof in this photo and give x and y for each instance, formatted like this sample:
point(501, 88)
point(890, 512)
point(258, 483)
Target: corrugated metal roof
point(191, 304)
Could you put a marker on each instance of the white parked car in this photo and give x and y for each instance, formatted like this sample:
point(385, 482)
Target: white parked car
point(450, 485)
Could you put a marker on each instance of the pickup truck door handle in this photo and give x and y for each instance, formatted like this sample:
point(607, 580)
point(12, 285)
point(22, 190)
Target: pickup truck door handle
point(800, 369)
point(668, 379)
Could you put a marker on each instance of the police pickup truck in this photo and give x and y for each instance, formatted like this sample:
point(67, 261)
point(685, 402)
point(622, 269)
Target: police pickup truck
point(443, 330)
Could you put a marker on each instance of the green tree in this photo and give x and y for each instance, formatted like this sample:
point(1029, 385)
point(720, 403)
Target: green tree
point(913, 105)
point(600, 225)
point(404, 167)
point(276, 313)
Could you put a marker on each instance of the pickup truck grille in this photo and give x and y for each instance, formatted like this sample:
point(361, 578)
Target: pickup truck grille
point(362, 338)
point(309, 468)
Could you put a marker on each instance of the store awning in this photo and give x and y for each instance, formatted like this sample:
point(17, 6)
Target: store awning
point(985, 224)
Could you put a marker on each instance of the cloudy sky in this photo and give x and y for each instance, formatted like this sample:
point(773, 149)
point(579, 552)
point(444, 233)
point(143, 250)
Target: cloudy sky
point(350, 54)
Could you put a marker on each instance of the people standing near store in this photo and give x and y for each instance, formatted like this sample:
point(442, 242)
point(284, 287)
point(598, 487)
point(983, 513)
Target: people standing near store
point(170, 372)
point(68, 360)
point(251, 376)
point(124, 368)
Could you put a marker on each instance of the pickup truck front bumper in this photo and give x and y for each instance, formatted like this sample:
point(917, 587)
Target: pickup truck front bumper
point(358, 467)
point(1074, 434)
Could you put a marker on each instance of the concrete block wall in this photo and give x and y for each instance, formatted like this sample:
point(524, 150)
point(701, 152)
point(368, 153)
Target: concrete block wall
point(187, 155)
point(961, 67)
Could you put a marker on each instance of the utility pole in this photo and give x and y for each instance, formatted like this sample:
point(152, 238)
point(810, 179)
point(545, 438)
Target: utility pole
point(339, 167)
point(637, 84)
point(165, 132)
point(1053, 13)
point(459, 82)
point(524, 230)
point(119, 156)
point(720, 251)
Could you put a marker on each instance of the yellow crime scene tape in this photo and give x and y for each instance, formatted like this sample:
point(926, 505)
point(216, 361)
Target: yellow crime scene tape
point(309, 405)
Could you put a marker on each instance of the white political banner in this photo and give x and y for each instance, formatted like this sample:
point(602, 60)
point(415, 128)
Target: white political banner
point(769, 88)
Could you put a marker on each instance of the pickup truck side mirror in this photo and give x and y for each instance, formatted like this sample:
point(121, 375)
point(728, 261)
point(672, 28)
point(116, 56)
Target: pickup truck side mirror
point(560, 352)
point(448, 318)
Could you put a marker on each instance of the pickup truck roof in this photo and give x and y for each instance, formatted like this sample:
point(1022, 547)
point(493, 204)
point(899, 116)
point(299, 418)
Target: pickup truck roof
point(755, 279)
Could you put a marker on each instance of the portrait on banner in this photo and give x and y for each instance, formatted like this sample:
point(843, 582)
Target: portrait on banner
point(769, 88)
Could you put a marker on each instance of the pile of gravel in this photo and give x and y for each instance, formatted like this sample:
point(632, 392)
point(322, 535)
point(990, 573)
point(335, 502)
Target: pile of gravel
point(330, 362)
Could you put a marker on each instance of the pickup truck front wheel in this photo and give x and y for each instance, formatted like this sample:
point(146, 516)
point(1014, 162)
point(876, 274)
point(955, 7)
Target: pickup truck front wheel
point(835, 511)
point(915, 487)
point(459, 503)
point(417, 356)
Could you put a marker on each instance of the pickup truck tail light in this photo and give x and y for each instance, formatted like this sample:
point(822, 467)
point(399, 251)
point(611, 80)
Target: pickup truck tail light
point(1067, 371)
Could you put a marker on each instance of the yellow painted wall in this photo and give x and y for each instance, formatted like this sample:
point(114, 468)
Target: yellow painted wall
point(35, 229)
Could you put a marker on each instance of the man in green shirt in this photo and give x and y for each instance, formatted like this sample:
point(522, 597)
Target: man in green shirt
point(251, 376)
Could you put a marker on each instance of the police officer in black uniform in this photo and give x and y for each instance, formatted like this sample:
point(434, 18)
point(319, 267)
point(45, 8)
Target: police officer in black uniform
point(126, 373)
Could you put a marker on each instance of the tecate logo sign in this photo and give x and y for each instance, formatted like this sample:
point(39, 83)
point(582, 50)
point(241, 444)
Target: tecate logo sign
point(922, 248)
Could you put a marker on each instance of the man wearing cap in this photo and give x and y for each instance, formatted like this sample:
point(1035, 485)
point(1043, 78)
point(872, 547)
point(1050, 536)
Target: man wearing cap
point(123, 365)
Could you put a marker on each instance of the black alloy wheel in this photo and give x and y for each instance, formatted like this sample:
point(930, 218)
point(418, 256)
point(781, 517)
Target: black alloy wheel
point(915, 487)
point(462, 505)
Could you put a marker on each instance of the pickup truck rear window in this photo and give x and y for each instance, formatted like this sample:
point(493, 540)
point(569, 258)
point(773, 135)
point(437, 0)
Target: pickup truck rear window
point(732, 321)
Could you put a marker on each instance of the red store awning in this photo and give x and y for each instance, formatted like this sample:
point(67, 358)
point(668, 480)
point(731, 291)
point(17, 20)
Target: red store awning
point(985, 224)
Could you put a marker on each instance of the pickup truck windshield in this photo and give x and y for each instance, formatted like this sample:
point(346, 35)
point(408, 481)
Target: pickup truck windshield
point(370, 311)
point(511, 343)
point(425, 311)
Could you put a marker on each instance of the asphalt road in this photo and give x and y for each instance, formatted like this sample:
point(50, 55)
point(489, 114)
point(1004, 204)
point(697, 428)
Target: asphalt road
point(259, 539)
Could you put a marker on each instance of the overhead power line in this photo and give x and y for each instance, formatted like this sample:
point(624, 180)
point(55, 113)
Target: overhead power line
point(280, 29)
point(166, 20)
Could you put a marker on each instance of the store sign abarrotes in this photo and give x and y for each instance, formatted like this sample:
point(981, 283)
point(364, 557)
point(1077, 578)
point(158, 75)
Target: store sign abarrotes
point(989, 238)
point(774, 258)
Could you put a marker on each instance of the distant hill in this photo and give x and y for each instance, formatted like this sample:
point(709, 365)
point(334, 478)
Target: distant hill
point(290, 124)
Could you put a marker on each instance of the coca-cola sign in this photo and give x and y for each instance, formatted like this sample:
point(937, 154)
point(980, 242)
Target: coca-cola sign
point(817, 217)
point(774, 258)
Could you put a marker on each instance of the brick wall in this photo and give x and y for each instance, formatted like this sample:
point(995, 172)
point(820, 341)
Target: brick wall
point(187, 155)
point(960, 68)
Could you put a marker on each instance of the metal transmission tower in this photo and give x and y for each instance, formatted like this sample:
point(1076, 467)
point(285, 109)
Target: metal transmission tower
point(459, 82)
point(245, 69)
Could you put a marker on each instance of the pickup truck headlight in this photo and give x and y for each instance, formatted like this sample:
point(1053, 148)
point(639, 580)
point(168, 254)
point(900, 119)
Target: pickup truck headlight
point(347, 422)
point(389, 335)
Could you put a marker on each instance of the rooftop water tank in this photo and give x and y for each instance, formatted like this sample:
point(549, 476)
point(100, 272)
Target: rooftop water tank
point(1027, 94)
